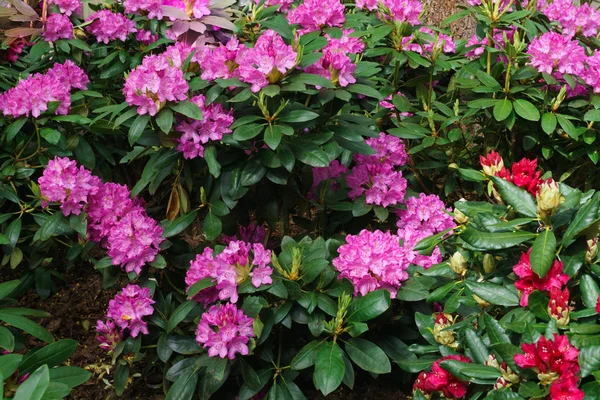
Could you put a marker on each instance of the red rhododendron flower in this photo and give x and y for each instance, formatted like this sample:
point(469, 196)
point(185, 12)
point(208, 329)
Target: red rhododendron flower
point(525, 175)
point(530, 281)
point(440, 380)
point(566, 388)
point(547, 356)
point(492, 163)
point(558, 306)
point(598, 305)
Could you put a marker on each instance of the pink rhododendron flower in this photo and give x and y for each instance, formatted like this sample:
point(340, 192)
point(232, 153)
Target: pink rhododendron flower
point(529, 281)
point(225, 331)
point(214, 124)
point(335, 64)
point(251, 234)
point(592, 74)
point(108, 335)
point(155, 82)
point(371, 261)
point(220, 62)
point(390, 150)
point(67, 7)
point(70, 74)
point(129, 307)
point(58, 26)
point(404, 10)
point(441, 381)
point(134, 241)
point(334, 171)
point(108, 26)
point(266, 62)
point(238, 262)
point(553, 52)
point(381, 184)
point(11, 54)
point(368, 4)
point(152, 7)
point(145, 37)
point(584, 19)
point(313, 15)
point(64, 183)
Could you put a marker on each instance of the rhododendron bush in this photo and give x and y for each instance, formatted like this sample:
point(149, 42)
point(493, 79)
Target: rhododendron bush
point(290, 195)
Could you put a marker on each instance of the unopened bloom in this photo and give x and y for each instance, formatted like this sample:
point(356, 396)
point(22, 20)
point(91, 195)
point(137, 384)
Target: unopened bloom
point(237, 263)
point(549, 358)
point(225, 331)
point(558, 306)
point(58, 26)
point(592, 250)
point(492, 163)
point(371, 261)
point(441, 381)
point(108, 26)
point(441, 333)
point(334, 171)
point(458, 263)
point(489, 263)
point(129, 307)
point(313, 15)
point(108, 335)
point(67, 7)
point(196, 133)
point(266, 62)
point(548, 198)
point(529, 281)
point(64, 183)
point(552, 52)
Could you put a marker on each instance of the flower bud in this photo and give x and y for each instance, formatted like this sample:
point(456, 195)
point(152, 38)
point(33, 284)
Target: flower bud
point(458, 263)
point(489, 264)
point(492, 163)
point(548, 199)
point(460, 217)
point(480, 302)
point(558, 307)
point(442, 335)
point(592, 251)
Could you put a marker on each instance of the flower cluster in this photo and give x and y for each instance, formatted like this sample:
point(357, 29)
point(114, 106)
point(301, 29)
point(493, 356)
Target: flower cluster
point(225, 330)
point(251, 234)
point(64, 183)
point(238, 262)
point(529, 281)
point(157, 80)
point(58, 26)
point(441, 381)
point(108, 26)
point(195, 134)
point(153, 8)
point(555, 362)
point(334, 171)
point(145, 37)
point(220, 62)
point(553, 52)
point(108, 335)
point(376, 175)
point(424, 216)
point(120, 224)
point(573, 18)
point(128, 308)
point(396, 10)
point(67, 7)
point(314, 15)
point(32, 95)
point(558, 306)
point(335, 64)
point(432, 42)
point(523, 173)
point(371, 261)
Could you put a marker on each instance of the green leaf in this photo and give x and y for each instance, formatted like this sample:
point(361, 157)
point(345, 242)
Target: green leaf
point(549, 123)
point(212, 226)
point(247, 131)
point(471, 372)
point(188, 109)
point(589, 291)
point(568, 126)
point(137, 128)
point(34, 386)
point(585, 217)
point(495, 331)
point(70, 376)
point(15, 127)
point(589, 360)
point(53, 354)
point(542, 252)
point(307, 355)
point(478, 349)
point(312, 79)
point(298, 116)
point(50, 226)
point(494, 294)
point(329, 368)
point(184, 344)
point(164, 120)
point(519, 199)
point(364, 90)
point(52, 136)
point(273, 136)
point(210, 156)
point(368, 307)
point(200, 285)
point(495, 240)
point(311, 155)
point(179, 224)
point(368, 356)
point(526, 110)
point(502, 110)
point(27, 325)
point(7, 340)
point(179, 314)
point(121, 375)
point(6, 288)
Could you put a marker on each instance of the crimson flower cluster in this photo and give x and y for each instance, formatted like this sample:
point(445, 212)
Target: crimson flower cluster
point(523, 173)
point(529, 281)
point(441, 381)
point(556, 363)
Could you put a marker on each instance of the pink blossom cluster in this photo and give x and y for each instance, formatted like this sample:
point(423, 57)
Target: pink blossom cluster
point(251, 234)
point(145, 37)
point(284, 5)
point(399, 10)
point(220, 62)
point(314, 15)
point(195, 134)
point(529, 281)
point(108, 26)
point(334, 171)
point(15, 47)
point(376, 176)
point(439, 42)
point(553, 52)
point(371, 261)
point(423, 216)
point(153, 8)
point(238, 262)
point(335, 64)
point(108, 335)
point(32, 95)
point(592, 77)
point(574, 19)
point(157, 80)
point(118, 223)
point(498, 42)
point(67, 7)
point(58, 26)
point(128, 309)
point(225, 330)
